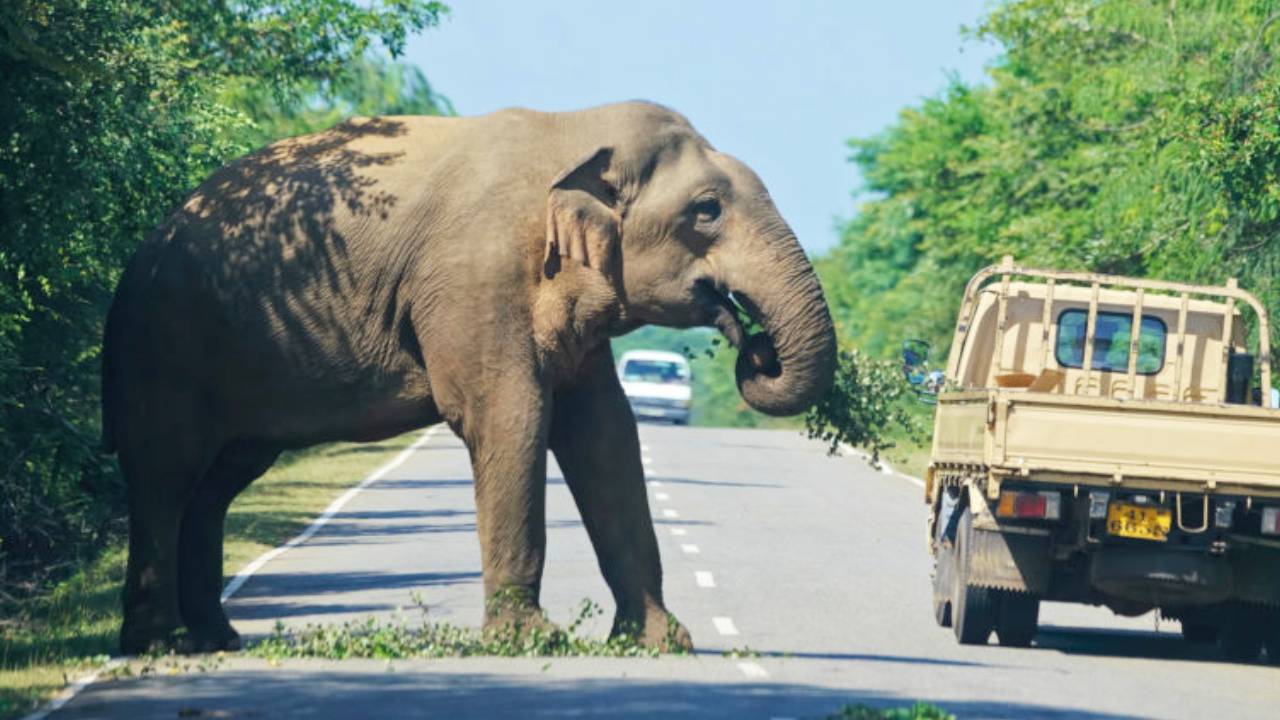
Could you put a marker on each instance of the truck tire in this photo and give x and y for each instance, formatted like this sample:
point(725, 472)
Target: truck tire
point(944, 570)
point(1240, 639)
point(1199, 633)
point(973, 609)
point(1017, 618)
point(1271, 635)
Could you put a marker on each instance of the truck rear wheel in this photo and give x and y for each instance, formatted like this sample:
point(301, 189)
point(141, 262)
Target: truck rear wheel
point(1241, 636)
point(973, 609)
point(1017, 618)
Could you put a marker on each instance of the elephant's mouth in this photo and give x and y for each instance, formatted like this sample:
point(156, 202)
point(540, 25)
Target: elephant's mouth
point(732, 314)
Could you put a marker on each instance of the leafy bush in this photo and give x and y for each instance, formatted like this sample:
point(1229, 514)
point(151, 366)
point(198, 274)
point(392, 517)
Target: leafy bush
point(114, 110)
point(869, 402)
point(1137, 138)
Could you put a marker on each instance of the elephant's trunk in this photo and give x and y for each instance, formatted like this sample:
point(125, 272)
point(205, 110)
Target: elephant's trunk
point(790, 365)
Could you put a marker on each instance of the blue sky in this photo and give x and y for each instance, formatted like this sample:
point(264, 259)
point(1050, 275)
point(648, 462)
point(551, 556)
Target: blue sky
point(781, 85)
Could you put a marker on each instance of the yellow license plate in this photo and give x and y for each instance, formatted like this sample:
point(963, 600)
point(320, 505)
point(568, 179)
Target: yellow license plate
point(1139, 521)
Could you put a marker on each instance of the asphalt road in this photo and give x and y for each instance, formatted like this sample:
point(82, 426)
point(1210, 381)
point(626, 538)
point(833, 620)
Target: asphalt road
point(817, 563)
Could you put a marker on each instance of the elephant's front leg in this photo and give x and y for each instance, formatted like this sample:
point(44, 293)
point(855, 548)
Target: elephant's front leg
point(507, 438)
point(593, 435)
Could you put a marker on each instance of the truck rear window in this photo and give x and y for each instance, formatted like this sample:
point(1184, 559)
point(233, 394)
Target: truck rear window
point(1111, 341)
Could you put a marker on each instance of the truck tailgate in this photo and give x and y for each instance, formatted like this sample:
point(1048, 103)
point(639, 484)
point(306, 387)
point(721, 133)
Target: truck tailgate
point(1213, 446)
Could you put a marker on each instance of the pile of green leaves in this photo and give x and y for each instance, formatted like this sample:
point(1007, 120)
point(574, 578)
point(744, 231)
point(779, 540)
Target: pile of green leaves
point(869, 405)
point(396, 639)
point(1139, 138)
point(113, 111)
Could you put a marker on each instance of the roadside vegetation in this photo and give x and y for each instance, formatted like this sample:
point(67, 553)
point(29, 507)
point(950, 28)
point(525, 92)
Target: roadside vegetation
point(71, 628)
point(919, 711)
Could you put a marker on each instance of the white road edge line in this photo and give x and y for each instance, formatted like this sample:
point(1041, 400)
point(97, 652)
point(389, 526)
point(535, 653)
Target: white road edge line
point(72, 690)
point(704, 579)
point(241, 577)
point(752, 670)
point(724, 625)
point(885, 467)
point(245, 573)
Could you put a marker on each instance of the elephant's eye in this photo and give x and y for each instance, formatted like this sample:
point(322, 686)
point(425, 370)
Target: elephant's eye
point(706, 210)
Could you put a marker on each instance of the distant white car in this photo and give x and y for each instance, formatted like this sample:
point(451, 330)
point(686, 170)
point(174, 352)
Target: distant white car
point(657, 384)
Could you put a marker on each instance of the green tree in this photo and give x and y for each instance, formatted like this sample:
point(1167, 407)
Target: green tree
point(1130, 137)
point(114, 110)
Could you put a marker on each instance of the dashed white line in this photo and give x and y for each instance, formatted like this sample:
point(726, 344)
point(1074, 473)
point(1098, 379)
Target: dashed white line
point(679, 532)
point(669, 513)
point(661, 496)
point(655, 483)
point(704, 579)
point(724, 625)
point(646, 459)
point(644, 448)
point(689, 549)
point(752, 670)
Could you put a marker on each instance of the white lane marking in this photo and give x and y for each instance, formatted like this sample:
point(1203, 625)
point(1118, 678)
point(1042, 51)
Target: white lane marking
point(752, 670)
point(661, 496)
point(655, 483)
point(690, 549)
point(644, 448)
point(72, 690)
point(885, 467)
point(704, 579)
point(679, 532)
point(724, 625)
point(243, 576)
point(334, 507)
point(669, 513)
point(646, 459)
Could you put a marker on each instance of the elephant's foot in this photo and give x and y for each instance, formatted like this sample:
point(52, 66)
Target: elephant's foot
point(207, 640)
point(656, 628)
point(513, 614)
point(146, 640)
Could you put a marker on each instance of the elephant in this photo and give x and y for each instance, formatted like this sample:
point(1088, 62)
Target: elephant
point(392, 273)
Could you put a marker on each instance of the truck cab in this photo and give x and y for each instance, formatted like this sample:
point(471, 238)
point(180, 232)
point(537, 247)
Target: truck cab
point(1110, 441)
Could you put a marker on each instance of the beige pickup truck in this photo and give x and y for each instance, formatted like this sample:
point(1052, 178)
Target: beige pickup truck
point(1077, 460)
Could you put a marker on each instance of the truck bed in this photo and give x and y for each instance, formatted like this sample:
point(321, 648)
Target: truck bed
point(1203, 447)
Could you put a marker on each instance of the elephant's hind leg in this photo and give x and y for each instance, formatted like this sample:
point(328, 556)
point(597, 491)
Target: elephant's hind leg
point(161, 472)
point(200, 543)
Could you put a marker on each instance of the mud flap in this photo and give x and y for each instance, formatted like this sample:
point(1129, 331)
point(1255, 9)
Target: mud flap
point(1006, 561)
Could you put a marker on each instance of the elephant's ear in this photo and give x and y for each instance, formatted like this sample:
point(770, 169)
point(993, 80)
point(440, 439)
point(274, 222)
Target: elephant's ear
point(582, 216)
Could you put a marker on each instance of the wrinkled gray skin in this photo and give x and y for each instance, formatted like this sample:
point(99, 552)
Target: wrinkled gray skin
point(392, 273)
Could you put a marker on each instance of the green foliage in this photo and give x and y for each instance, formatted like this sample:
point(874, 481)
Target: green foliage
point(869, 402)
point(1137, 138)
point(114, 110)
point(397, 639)
point(919, 711)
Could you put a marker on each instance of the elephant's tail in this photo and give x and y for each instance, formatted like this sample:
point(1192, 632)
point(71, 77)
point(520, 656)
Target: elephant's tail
point(109, 389)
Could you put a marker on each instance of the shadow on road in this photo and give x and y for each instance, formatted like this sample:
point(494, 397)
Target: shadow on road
point(1124, 643)
point(324, 693)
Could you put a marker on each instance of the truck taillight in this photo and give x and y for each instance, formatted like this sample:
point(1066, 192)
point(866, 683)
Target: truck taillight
point(1030, 505)
point(1271, 520)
